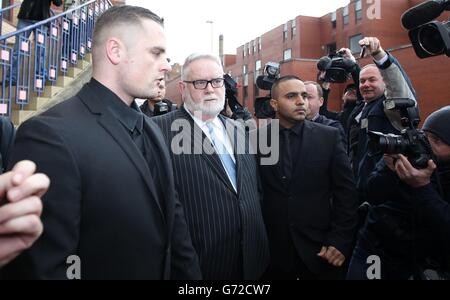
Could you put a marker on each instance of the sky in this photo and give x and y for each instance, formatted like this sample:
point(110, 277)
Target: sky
point(188, 27)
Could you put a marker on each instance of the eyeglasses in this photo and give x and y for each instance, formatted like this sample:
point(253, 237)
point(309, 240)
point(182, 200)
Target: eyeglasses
point(202, 84)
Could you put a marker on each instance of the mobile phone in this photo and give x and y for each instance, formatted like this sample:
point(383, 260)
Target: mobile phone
point(363, 52)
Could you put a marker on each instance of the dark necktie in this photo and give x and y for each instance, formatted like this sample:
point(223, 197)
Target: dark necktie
point(286, 158)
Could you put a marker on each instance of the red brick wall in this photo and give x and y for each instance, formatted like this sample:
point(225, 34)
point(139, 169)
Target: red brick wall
point(429, 76)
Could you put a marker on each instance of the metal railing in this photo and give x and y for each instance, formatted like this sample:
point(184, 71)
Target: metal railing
point(27, 67)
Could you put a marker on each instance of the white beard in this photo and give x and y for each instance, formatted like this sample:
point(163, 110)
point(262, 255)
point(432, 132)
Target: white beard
point(208, 109)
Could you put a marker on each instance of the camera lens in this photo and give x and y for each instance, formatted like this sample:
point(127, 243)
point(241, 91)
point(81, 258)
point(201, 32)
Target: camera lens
point(430, 40)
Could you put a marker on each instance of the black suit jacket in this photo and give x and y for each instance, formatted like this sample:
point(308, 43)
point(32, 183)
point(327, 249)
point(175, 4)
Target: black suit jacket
point(317, 207)
point(102, 204)
point(226, 227)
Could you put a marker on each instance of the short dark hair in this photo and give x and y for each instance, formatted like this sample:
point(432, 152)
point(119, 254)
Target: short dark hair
point(274, 90)
point(350, 86)
point(123, 14)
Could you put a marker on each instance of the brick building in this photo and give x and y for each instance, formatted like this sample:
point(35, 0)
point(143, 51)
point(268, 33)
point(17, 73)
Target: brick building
point(300, 42)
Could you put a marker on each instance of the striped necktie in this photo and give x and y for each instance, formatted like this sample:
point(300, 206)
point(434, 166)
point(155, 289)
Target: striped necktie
point(225, 157)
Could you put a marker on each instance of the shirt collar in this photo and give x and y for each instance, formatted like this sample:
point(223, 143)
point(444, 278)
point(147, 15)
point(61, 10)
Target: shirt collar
point(130, 116)
point(296, 129)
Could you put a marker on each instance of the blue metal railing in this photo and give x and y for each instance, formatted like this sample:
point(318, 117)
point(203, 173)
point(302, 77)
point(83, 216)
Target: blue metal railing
point(26, 67)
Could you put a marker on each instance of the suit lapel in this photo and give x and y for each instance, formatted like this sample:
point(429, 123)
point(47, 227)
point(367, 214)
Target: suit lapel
point(119, 134)
point(198, 138)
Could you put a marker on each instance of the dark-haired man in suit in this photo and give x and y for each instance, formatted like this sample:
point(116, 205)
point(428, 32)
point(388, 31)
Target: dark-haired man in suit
point(309, 202)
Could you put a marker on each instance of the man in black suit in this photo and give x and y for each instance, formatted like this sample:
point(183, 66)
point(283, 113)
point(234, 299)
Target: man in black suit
point(215, 176)
point(112, 210)
point(309, 203)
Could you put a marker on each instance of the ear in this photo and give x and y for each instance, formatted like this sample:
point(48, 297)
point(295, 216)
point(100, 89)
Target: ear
point(274, 104)
point(114, 50)
point(181, 87)
point(321, 101)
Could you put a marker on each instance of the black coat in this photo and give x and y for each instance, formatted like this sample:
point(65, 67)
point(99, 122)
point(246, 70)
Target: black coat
point(102, 204)
point(317, 207)
point(7, 132)
point(36, 10)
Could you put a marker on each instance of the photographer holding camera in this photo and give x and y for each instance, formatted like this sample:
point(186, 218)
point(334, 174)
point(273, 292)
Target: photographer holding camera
point(408, 225)
point(377, 82)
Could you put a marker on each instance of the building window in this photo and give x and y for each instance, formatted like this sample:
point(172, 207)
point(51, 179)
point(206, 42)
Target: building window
point(331, 47)
point(260, 44)
point(245, 92)
point(255, 46)
point(287, 54)
point(345, 16)
point(244, 69)
point(358, 10)
point(250, 48)
point(293, 28)
point(333, 19)
point(245, 50)
point(354, 45)
point(258, 65)
point(285, 32)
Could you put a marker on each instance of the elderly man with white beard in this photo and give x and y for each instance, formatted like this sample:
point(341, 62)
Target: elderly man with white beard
point(216, 178)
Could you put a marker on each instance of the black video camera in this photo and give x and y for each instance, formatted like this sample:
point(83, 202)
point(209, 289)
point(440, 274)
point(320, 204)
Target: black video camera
point(337, 68)
point(411, 142)
point(263, 110)
point(239, 112)
point(163, 107)
point(428, 38)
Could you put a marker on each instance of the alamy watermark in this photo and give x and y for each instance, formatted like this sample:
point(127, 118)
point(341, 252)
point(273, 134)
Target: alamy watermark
point(374, 9)
point(243, 136)
point(374, 269)
point(73, 271)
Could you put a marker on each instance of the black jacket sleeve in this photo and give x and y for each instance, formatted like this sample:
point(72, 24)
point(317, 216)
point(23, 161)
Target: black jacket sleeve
point(433, 208)
point(345, 203)
point(39, 142)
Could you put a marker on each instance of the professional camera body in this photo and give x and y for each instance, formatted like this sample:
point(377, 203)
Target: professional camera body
point(428, 38)
point(239, 112)
point(337, 68)
point(163, 107)
point(411, 142)
point(263, 110)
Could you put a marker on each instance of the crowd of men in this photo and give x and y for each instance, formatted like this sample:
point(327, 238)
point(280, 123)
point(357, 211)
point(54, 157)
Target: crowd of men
point(185, 195)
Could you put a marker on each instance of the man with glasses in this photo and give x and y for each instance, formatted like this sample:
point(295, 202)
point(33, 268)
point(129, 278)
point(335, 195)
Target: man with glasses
point(216, 179)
